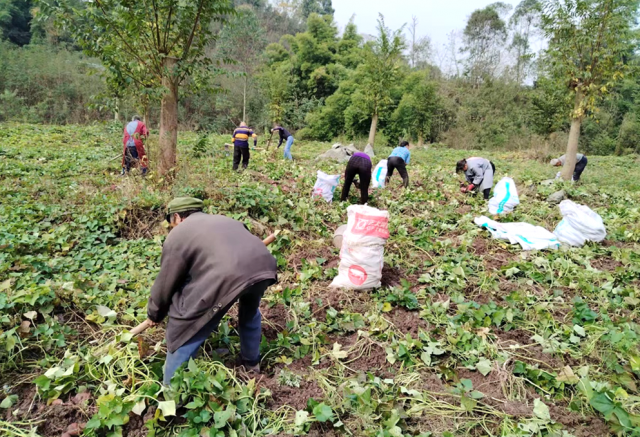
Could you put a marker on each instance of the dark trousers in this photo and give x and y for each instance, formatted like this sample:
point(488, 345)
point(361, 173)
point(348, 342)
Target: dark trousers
point(360, 166)
point(395, 162)
point(240, 152)
point(249, 328)
point(130, 158)
point(580, 166)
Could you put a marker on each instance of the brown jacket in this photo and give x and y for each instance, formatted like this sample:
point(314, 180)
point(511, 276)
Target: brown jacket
point(207, 261)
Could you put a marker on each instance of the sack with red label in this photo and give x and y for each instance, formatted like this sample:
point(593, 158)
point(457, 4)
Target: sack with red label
point(362, 252)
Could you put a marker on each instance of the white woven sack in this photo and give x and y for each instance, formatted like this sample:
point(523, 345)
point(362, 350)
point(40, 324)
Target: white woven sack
point(579, 224)
point(505, 197)
point(325, 186)
point(379, 174)
point(362, 253)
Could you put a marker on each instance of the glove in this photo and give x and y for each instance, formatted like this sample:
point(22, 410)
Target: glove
point(463, 189)
point(470, 187)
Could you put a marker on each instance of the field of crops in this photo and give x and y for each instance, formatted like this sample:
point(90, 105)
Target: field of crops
point(467, 336)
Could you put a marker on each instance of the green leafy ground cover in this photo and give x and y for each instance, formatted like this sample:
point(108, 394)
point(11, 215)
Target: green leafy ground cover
point(467, 336)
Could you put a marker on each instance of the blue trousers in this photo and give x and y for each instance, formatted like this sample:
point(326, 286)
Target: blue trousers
point(249, 327)
point(287, 148)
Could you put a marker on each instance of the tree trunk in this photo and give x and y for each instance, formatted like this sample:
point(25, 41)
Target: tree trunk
point(420, 140)
point(168, 119)
point(372, 131)
point(147, 122)
point(116, 111)
point(244, 100)
point(574, 136)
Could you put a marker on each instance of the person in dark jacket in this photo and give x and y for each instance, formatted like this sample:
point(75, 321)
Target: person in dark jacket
point(208, 263)
point(581, 164)
point(359, 165)
point(399, 159)
point(240, 140)
point(284, 136)
point(479, 173)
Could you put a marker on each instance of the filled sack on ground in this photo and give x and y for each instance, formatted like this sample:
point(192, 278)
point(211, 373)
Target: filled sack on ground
point(579, 224)
point(362, 252)
point(325, 186)
point(379, 174)
point(505, 197)
point(530, 237)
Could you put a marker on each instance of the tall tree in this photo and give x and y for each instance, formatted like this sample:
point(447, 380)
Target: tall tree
point(243, 41)
point(380, 70)
point(164, 39)
point(523, 22)
point(588, 43)
point(484, 38)
point(321, 7)
point(419, 46)
point(417, 109)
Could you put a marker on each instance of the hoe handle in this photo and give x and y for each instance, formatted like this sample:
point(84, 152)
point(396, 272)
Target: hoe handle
point(145, 325)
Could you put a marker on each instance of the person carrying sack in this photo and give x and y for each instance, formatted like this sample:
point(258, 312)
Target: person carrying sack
point(581, 164)
point(240, 140)
point(399, 159)
point(359, 164)
point(479, 174)
point(208, 263)
point(134, 133)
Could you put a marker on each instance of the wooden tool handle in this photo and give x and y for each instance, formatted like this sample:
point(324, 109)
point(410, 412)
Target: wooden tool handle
point(141, 327)
point(145, 325)
point(271, 238)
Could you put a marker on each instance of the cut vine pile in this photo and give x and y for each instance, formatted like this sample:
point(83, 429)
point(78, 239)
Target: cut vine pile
point(467, 336)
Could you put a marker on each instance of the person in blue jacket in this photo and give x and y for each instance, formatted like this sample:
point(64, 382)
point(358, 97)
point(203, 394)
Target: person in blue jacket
point(399, 159)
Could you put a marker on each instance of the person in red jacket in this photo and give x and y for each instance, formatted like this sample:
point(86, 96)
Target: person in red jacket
point(134, 134)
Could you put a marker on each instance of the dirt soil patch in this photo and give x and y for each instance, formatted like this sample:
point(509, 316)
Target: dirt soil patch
point(141, 223)
point(407, 321)
point(606, 264)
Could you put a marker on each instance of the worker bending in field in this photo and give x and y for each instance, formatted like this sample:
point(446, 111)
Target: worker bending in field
point(284, 136)
point(581, 164)
point(134, 133)
point(240, 140)
point(399, 159)
point(208, 263)
point(359, 165)
point(479, 173)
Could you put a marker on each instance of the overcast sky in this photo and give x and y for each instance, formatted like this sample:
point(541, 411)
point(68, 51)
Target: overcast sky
point(436, 18)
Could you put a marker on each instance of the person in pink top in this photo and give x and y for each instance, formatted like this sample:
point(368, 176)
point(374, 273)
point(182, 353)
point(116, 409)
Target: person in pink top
point(134, 133)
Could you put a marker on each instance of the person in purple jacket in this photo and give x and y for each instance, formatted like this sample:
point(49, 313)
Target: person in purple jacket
point(359, 164)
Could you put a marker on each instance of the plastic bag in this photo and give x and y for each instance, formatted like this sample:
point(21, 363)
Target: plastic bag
point(530, 237)
point(362, 252)
point(380, 174)
point(505, 197)
point(325, 186)
point(579, 224)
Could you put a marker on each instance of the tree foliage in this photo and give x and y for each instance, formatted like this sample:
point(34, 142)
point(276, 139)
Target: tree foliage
point(15, 21)
point(484, 36)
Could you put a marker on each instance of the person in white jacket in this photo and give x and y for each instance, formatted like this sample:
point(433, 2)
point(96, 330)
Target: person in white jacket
point(479, 173)
point(581, 164)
